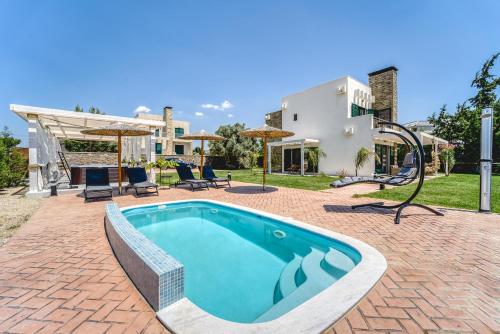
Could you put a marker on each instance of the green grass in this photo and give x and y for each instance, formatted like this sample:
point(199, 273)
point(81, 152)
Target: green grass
point(318, 182)
point(455, 191)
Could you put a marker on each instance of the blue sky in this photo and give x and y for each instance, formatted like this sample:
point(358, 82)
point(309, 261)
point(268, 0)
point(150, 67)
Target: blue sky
point(118, 55)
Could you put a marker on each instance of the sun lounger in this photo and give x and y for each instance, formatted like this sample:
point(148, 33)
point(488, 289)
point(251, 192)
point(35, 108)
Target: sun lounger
point(406, 174)
point(186, 177)
point(97, 184)
point(138, 180)
point(209, 175)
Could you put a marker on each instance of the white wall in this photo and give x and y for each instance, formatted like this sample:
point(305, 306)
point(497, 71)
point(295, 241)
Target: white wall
point(324, 115)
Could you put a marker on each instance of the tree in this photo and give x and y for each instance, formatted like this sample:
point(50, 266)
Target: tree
point(253, 160)
point(362, 157)
point(486, 84)
point(13, 165)
point(463, 128)
point(93, 110)
point(447, 156)
point(197, 150)
point(314, 154)
point(235, 149)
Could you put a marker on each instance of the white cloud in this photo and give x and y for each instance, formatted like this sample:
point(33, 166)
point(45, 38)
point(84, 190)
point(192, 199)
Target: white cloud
point(230, 115)
point(142, 109)
point(223, 106)
point(226, 105)
point(210, 106)
point(199, 114)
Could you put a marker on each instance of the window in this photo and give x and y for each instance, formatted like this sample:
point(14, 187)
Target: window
point(158, 148)
point(359, 111)
point(179, 132)
point(157, 133)
point(294, 117)
point(179, 149)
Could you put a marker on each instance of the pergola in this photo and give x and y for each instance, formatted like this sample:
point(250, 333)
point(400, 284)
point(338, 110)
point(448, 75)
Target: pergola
point(46, 126)
point(424, 137)
point(293, 143)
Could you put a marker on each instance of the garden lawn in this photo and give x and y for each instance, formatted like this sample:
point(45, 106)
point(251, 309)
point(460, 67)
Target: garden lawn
point(318, 182)
point(454, 191)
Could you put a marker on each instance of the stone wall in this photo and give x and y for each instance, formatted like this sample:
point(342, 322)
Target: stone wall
point(86, 158)
point(168, 132)
point(384, 85)
point(275, 119)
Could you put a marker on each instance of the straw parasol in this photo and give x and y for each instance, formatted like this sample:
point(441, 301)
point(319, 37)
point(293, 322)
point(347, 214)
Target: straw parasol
point(118, 130)
point(265, 132)
point(202, 135)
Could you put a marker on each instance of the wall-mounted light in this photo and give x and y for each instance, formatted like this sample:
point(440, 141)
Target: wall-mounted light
point(349, 131)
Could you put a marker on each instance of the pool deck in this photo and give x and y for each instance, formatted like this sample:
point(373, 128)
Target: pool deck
point(59, 274)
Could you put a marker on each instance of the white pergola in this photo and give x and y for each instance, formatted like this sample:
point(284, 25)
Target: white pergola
point(424, 137)
point(293, 143)
point(46, 126)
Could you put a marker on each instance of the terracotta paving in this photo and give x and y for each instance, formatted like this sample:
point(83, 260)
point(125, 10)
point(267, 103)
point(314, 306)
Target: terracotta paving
point(58, 274)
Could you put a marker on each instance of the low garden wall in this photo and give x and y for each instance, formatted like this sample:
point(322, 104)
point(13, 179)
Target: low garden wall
point(86, 158)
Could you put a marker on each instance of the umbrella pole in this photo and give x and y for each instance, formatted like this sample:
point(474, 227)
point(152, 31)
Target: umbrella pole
point(120, 164)
point(201, 159)
point(264, 161)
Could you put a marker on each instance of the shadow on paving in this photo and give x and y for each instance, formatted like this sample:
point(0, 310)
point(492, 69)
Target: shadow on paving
point(250, 190)
point(348, 209)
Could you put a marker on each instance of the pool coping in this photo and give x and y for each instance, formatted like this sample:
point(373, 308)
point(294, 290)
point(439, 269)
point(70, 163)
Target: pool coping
point(313, 316)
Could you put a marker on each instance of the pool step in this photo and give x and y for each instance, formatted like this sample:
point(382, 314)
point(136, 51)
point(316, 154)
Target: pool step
point(316, 280)
point(337, 263)
point(286, 283)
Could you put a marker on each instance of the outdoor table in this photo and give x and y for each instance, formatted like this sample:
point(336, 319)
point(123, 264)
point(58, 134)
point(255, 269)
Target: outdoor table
point(169, 177)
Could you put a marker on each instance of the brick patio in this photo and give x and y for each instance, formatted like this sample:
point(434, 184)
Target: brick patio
point(59, 274)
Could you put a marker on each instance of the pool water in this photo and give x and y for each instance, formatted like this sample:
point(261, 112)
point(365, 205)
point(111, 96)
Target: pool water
point(240, 266)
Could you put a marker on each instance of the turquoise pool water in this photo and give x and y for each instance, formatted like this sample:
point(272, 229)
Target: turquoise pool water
point(241, 266)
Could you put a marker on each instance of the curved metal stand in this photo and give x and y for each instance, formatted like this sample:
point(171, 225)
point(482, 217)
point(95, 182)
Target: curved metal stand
point(420, 168)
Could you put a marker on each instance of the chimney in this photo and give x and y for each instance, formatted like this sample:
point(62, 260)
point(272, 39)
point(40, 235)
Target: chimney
point(168, 130)
point(384, 85)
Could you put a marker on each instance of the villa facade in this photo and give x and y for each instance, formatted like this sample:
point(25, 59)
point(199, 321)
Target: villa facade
point(340, 117)
point(168, 140)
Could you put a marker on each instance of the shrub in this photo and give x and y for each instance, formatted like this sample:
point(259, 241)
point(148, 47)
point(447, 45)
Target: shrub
point(13, 165)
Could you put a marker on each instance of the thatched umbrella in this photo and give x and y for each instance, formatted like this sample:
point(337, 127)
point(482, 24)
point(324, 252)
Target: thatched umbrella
point(202, 135)
point(265, 132)
point(118, 130)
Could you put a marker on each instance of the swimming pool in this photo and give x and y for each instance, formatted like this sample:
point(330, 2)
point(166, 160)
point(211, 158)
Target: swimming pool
point(245, 267)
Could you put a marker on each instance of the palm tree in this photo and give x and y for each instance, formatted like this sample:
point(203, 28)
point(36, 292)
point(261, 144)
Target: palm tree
point(314, 154)
point(362, 158)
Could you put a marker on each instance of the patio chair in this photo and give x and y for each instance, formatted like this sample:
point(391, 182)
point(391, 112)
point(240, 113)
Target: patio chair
point(186, 177)
point(97, 184)
point(209, 175)
point(138, 179)
point(407, 174)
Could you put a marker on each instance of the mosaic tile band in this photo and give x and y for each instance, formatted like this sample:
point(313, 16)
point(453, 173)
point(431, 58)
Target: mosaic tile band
point(157, 275)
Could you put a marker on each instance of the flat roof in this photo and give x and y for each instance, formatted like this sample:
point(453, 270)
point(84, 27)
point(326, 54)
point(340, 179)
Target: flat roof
point(68, 124)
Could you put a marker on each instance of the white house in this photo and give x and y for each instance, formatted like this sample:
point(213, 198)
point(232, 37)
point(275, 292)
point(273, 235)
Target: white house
point(167, 138)
point(340, 117)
